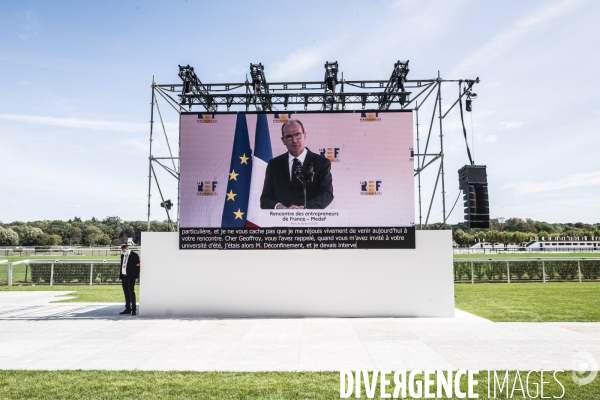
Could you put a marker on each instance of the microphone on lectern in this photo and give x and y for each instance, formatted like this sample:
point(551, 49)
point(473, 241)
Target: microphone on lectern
point(311, 173)
point(298, 171)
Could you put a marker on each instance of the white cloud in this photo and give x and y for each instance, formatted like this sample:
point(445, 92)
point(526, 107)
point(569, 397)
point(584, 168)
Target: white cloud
point(234, 73)
point(75, 123)
point(29, 25)
point(511, 125)
point(301, 60)
point(573, 181)
point(491, 138)
point(139, 145)
point(504, 41)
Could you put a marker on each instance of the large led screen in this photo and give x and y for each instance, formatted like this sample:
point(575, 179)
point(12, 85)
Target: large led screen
point(297, 180)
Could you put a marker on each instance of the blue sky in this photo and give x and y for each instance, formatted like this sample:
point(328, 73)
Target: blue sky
point(74, 105)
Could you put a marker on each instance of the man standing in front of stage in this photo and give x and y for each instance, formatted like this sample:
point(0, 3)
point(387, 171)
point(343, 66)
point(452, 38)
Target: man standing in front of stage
point(130, 271)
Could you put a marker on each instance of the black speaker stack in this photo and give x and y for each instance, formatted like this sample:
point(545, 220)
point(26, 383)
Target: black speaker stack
point(472, 181)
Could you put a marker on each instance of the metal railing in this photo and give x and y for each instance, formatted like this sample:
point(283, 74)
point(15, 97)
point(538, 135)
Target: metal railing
point(538, 250)
point(75, 251)
point(466, 270)
point(51, 272)
point(526, 269)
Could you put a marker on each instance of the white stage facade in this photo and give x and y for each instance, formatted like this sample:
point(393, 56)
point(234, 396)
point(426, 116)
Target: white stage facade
point(297, 283)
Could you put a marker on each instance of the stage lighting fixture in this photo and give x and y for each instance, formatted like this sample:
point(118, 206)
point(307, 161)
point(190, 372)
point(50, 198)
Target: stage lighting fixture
point(331, 71)
point(166, 204)
point(257, 72)
point(403, 97)
point(395, 86)
point(469, 101)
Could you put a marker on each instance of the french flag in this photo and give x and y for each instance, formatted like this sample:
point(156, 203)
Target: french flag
point(262, 155)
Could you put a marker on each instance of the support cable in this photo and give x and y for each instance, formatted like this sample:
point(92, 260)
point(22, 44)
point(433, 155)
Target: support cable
point(169, 99)
point(162, 198)
point(448, 216)
point(472, 142)
point(430, 127)
point(463, 123)
point(417, 96)
point(433, 194)
point(175, 174)
point(165, 132)
point(428, 164)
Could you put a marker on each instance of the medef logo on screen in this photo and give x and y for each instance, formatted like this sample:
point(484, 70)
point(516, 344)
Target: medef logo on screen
point(370, 188)
point(331, 153)
point(281, 118)
point(206, 119)
point(369, 117)
point(207, 188)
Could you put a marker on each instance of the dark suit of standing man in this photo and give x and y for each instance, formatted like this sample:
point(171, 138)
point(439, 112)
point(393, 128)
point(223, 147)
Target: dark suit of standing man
point(281, 188)
point(129, 272)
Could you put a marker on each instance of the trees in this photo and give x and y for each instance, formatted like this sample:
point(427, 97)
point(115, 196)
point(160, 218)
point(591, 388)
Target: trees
point(92, 235)
point(462, 238)
point(492, 236)
point(515, 225)
point(94, 232)
point(8, 237)
point(113, 230)
point(29, 236)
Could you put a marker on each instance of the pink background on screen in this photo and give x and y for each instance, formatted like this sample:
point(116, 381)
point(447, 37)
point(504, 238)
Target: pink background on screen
point(369, 151)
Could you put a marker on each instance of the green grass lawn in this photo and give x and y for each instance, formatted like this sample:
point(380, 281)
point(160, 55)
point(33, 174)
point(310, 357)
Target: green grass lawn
point(83, 293)
point(529, 255)
point(226, 385)
point(531, 301)
point(514, 302)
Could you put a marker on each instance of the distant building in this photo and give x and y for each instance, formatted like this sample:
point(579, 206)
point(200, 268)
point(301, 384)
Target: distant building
point(565, 243)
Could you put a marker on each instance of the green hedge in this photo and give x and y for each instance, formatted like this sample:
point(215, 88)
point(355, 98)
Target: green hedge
point(75, 273)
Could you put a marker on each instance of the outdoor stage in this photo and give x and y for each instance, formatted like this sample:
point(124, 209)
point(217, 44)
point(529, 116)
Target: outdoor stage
point(298, 283)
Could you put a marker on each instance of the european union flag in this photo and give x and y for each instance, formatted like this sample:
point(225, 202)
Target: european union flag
point(262, 155)
point(235, 211)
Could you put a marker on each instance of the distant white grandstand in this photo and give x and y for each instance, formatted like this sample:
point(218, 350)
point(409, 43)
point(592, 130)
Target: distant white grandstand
point(561, 243)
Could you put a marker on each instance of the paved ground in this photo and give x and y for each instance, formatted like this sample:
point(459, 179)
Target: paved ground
point(36, 334)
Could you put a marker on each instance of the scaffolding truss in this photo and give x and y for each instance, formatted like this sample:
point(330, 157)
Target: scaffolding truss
point(329, 95)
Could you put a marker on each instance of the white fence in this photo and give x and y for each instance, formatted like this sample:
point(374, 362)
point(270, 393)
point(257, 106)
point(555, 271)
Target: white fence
point(54, 251)
point(537, 250)
point(467, 270)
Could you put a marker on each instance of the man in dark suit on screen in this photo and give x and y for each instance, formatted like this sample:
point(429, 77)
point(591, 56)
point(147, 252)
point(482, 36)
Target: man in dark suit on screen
point(282, 188)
